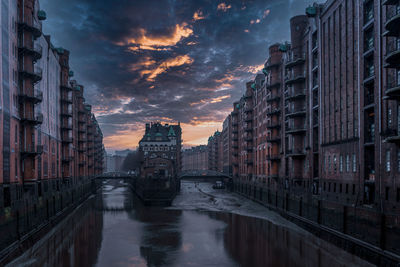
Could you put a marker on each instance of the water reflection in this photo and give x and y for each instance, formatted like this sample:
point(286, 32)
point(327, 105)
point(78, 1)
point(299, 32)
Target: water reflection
point(160, 235)
point(76, 241)
point(115, 229)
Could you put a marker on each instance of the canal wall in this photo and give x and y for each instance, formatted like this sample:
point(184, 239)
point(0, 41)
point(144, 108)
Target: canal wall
point(361, 231)
point(36, 207)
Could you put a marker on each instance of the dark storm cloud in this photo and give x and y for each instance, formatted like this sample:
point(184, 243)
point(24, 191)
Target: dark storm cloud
point(181, 60)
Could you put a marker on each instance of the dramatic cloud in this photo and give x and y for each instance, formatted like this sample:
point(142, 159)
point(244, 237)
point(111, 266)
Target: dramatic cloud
point(198, 15)
point(147, 41)
point(224, 7)
point(153, 71)
point(168, 61)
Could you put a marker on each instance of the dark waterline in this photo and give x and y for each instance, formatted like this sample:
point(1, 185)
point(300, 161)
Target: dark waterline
point(114, 229)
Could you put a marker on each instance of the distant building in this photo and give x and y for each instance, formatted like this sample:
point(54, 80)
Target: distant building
point(195, 158)
point(215, 152)
point(160, 150)
point(227, 146)
point(114, 163)
point(123, 153)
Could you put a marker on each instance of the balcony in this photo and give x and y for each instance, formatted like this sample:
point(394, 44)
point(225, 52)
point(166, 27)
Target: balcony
point(275, 111)
point(248, 129)
point(66, 158)
point(66, 112)
point(66, 87)
point(81, 129)
point(368, 47)
point(272, 125)
point(392, 136)
point(82, 140)
point(31, 150)
point(295, 112)
point(393, 90)
point(272, 98)
point(300, 129)
point(295, 60)
point(273, 85)
point(273, 139)
point(295, 153)
point(298, 78)
point(67, 140)
point(393, 22)
point(392, 57)
point(274, 176)
point(235, 131)
point(390, 2)
point(66, 98)
point(270, 66)
point(369, 98)
point(30, 25)
point(82, 163)
point(81, 149)
point(295, 95)
point(33, 49)
point(30, 117)
point(248, 119)
point(248, 110)
point(274, 157)
point(35, 96)
point(248, 139)
point(249, 161)
point(81, 119)
point(35, 75)
point(66, 126)
point(234, 124)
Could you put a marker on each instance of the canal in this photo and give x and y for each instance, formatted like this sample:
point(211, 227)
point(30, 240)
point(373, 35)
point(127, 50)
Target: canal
point(204, 227)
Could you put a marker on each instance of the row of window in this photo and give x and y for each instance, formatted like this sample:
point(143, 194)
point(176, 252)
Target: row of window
point(331, 163)
point(156, 148)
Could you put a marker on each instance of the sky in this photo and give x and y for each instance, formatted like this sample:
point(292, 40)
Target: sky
point(188, 61)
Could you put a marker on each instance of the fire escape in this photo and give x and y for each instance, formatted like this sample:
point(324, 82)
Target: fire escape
point(29, 52)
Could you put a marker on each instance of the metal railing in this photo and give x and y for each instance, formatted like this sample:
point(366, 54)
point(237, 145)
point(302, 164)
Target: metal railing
point(31, 149)
point(31, 116)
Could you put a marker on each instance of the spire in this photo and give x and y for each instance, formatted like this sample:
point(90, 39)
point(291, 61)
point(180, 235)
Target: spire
point(171, 131)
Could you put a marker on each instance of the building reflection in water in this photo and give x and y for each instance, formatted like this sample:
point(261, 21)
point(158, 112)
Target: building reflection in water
point(161, 238)
point(255, 242)
point(76, 241)
point(115, 229)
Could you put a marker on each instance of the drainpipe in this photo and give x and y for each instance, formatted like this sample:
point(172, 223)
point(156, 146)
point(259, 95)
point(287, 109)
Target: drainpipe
point(359, 99)
point(379, 103)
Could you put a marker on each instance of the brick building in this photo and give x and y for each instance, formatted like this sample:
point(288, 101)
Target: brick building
point(195, 158)
point(318, 133)
point(324, 119)
point(215, 152)
point(46, 125)
point(227, 146)
point(160, 150)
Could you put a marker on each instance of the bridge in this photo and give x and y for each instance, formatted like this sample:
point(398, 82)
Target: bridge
point(115, 175)
point(202, 175)
point(205, 175)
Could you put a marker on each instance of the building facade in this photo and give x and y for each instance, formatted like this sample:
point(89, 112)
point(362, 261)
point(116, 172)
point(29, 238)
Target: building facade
point(46, 127)
point(160, 150)
point(325, 116)
point(195, 158)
